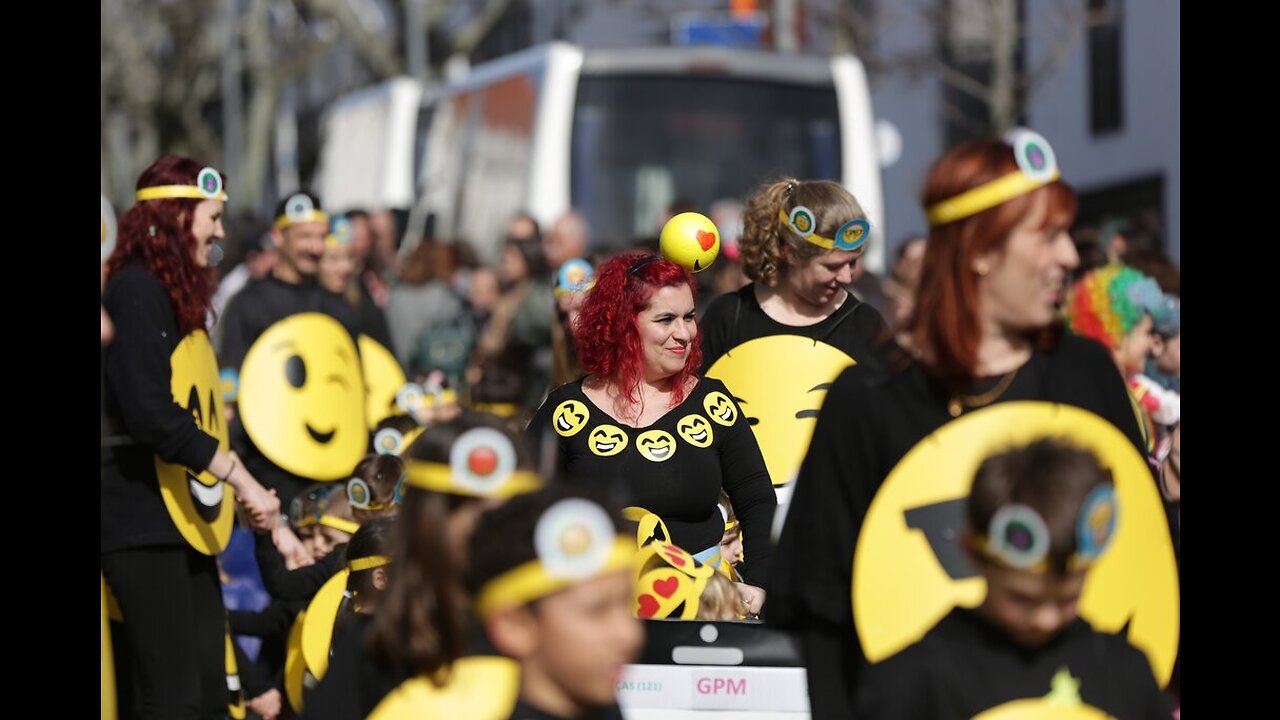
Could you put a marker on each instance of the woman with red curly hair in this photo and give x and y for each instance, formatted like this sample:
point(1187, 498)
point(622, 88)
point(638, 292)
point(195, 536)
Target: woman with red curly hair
point(643, 423)
point(985, 330)
point(166, 509)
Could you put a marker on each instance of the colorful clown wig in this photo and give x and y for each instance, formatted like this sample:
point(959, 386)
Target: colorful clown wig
point(1105, 304)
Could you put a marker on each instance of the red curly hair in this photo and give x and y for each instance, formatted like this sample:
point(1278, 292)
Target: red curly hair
point(945, 323)
point(169, 254)
point(606, 336)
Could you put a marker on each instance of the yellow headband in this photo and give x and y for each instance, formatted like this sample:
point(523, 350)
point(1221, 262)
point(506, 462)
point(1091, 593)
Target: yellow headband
point(501, 409)
point(849, 236)
point(1037, 167)
point(440, 478)
point(985, 197)
point(368, 563)
point(285, 221)
point(482, 464)
point(337, 523)
point(531, 581)
point(208, 187)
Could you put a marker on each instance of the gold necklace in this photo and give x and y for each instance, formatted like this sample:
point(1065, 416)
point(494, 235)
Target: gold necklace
point(958, 403)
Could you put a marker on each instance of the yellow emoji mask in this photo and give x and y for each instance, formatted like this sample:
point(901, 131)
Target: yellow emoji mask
point(201, 506)
point(302, 397)
point(908, 571)
point(784, 401)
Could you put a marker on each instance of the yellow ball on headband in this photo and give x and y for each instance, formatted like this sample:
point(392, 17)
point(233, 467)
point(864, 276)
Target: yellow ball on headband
point(690, 239)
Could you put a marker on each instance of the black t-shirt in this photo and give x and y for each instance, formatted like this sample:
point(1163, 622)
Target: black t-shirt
point(356, 681)
point(869, 421)
point(673, 468)
point(139, 406)
point(855, 328)
point(253, 310)
point(965, 666)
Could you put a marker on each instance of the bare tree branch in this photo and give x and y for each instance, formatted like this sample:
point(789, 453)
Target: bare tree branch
point(377, 51)
point(475, 31)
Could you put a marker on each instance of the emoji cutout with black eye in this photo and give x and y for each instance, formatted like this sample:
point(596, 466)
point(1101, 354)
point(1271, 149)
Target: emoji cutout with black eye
point(908, 571)
point(570, 417)
point(295, 665)
point(696, 431)
point(382, 378)
point(781, 381)
point(235, 700)
point(720, 408)
point(607, 440)
point(302, 397)
point(656, 445)
point(201, 505)
point(649, 527)
point(108, 663)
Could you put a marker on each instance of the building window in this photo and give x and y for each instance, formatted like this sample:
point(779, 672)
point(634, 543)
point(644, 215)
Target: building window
point(1106, 79)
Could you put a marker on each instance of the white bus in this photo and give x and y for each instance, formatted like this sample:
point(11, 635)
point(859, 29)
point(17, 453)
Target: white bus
point(619, 134)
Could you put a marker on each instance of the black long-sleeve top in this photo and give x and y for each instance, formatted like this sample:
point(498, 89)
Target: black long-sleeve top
point(139, 404)
point(674, 468)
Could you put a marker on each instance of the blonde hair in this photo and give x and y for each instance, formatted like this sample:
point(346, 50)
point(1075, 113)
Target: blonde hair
point(720, 600)
point(763, 232)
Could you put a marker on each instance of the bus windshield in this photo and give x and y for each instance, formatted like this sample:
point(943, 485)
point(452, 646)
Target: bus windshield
point(643, 143)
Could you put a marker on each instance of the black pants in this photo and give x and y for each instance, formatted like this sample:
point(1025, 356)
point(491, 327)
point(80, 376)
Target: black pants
point(175, 625)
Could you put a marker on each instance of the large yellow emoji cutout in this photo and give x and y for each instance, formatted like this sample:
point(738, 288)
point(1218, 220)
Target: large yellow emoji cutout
point(383, 377)
point(201, 505)
point(108, 663)
point(235, 696)
point(781, 381)
point(909, 571)
point(607, 440)
point(484, 687)
point(656, 445)
point(302, 397)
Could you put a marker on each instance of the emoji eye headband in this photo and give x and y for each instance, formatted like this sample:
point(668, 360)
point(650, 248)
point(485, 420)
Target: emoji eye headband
point(575, 275)
point(360, 495)
point(299, 209)
point(1019, 538)
point(482, 464)
point(850, 236)
point(1037, 167)
point(339, 232)
point(208, 187)
point(574, 541)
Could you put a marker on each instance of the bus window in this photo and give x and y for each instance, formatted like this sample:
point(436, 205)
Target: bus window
point(642, 141)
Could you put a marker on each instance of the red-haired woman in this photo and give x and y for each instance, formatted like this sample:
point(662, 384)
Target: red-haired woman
point(985, 330)
point(644, 423)
point(163, 472)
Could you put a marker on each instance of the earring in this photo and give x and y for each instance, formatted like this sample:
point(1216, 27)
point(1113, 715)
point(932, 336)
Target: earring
point(151, 229)
point(982, 269)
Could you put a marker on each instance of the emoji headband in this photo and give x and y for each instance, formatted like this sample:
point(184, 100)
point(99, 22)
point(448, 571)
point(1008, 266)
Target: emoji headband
point(482, 464)
point(1019, 538)
point(299, 209)
point(575, 541)
point(850, 236)
point(1037, 167)
point(208, 187)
